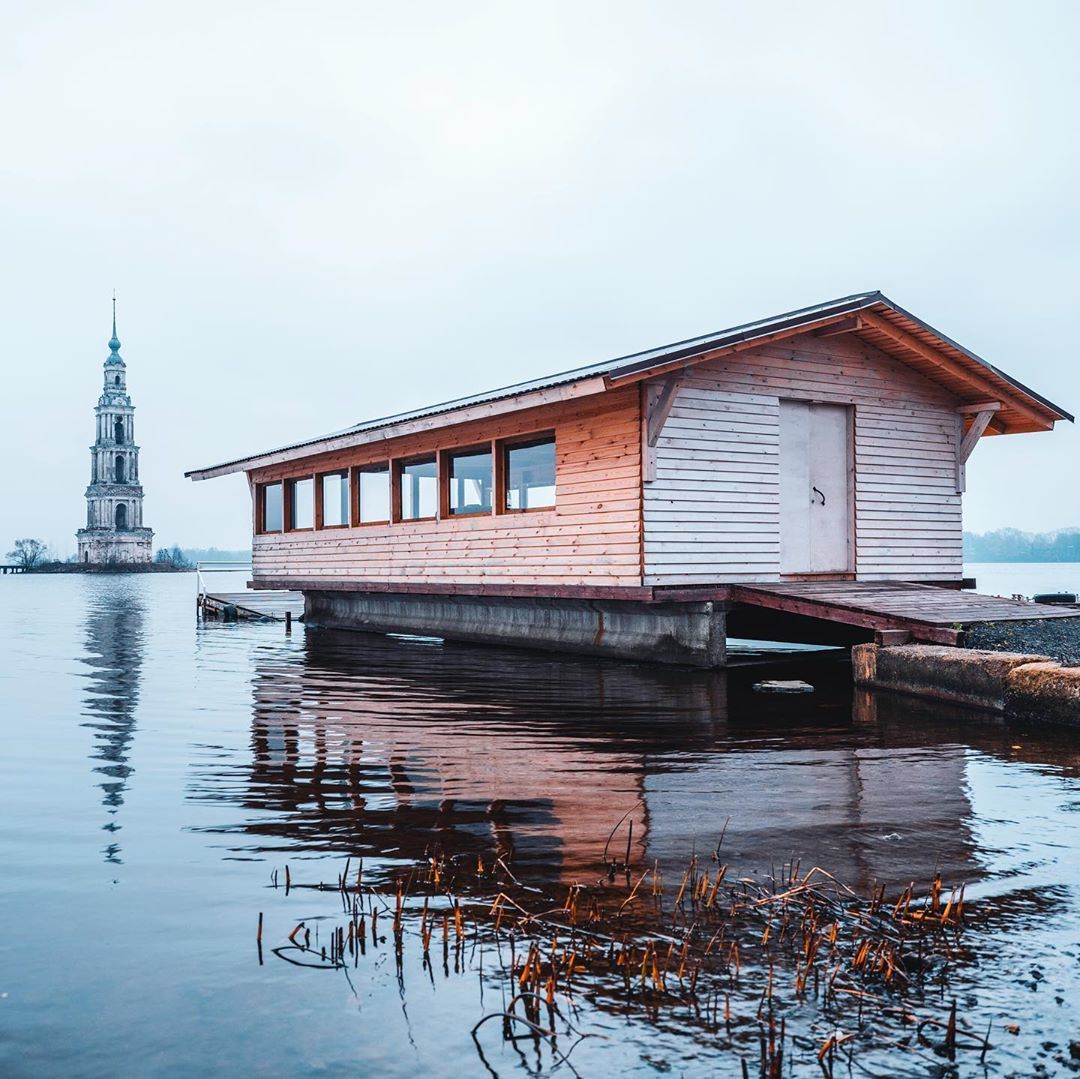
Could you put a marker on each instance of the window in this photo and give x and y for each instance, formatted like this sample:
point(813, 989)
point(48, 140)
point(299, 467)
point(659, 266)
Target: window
point(530, 474)
point(119, 468)
point(373, 492)
point(121, 517)
point(118, 431)
point(335, 500)
point(302, 503)
point(116, 380)
point(419, 489)
point(272, 515)
point(469, 482)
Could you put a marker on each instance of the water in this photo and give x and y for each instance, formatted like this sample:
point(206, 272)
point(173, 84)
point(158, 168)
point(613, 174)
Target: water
point(1024, 578)
point(155, 773)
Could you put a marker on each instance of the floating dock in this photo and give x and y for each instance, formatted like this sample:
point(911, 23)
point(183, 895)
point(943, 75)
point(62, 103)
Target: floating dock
point(260, 606)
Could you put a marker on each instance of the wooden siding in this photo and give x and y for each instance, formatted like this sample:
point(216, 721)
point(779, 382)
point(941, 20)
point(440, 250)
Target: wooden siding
point(712, 513)
point(591, 537)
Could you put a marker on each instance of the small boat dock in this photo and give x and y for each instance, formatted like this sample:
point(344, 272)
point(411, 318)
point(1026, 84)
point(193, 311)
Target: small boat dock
point(230, 605)
point(264, 606)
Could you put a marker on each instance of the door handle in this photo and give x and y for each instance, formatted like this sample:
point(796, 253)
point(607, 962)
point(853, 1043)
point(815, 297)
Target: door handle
point(820, 493)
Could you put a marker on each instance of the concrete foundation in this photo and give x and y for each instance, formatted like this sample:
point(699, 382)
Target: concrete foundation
point(690, 634)
point(1011, 684)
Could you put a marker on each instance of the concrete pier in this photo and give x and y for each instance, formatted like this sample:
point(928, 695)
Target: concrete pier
point(691, 634)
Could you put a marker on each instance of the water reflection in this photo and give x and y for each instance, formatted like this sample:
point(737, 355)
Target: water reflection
point(372, 746)
point(114, 654)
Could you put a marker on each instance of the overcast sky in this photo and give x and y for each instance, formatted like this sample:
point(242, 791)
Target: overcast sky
point(316, 213)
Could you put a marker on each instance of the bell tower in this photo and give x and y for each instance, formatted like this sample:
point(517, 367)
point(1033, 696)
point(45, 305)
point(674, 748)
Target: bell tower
point(114, 531)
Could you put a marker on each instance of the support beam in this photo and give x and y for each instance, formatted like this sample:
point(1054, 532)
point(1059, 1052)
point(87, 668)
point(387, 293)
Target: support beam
point(847, 325)
point(979, 422)
point(660, 409)
point(974, 433)
point(657, 399)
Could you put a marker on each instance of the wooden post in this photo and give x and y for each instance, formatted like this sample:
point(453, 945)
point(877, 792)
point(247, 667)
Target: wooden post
point(288, 621)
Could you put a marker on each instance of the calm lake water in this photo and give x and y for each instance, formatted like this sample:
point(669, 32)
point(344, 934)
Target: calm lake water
point(156, 773)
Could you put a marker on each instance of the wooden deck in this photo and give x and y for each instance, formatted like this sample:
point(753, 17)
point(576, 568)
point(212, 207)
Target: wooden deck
point(266, 605)
point(927, 612)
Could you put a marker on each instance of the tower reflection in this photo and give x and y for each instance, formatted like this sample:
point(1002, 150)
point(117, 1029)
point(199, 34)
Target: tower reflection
point(114, 654)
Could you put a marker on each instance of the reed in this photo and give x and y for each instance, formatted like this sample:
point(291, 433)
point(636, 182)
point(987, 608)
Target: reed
point(793, 964)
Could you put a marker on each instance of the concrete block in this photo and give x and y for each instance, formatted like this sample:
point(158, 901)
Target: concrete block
point(965, 676)
point(1046, 692)
point(864, 664)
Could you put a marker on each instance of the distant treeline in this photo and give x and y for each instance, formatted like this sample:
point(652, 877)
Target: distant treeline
point(1012, 545)
point(212, 554)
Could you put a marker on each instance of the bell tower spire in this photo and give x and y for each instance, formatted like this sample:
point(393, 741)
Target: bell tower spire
point(114, 531)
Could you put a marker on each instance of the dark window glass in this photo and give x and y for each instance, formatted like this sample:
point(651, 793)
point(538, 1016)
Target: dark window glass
point(335, 499)
point(530, 475)
point(373, 487)
point(470, 482)
point(272, 508)
point(419, 489)
point(303, 503)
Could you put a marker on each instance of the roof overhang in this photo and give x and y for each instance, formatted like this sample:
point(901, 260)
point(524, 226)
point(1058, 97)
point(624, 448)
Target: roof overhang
point(870, 316)
point(889, 328)
point(393, 427)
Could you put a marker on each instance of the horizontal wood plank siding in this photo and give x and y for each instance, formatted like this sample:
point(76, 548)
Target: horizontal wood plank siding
point(591, 537)
point(712, 514)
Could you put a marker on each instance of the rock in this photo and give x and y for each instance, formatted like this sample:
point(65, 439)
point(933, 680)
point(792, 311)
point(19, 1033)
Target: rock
point(775, 685)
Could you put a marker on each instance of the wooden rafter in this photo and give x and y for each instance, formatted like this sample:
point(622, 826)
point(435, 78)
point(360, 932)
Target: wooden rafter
point(902, 337)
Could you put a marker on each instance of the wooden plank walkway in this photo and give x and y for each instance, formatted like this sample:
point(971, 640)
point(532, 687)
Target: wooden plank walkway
point(266, 605)
point(928, 612)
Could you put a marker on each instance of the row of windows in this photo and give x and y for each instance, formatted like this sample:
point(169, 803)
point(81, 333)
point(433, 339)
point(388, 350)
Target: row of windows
point(504, 477)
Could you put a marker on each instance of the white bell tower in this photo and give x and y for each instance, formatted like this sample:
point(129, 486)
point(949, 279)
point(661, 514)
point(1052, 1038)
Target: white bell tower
point(114, 531)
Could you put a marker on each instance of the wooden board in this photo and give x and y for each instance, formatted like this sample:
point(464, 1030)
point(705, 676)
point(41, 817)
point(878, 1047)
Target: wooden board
point(718, 463)
point(592, 536)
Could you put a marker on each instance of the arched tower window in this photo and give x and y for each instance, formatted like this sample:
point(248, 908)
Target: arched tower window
point(116, 380)
point(121, 516)
point(119, 469)
point(118, 431)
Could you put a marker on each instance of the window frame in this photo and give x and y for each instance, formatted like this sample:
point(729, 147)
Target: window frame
point(446, 464)
point(260, 508)
point(320, 498)
point(383, 465)
point(397, 468)
point(289, 508)
point(503, 475)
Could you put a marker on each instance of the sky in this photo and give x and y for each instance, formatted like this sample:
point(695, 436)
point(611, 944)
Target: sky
point(313, 214)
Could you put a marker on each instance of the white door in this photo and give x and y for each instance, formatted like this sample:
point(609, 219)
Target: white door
point(815, 488)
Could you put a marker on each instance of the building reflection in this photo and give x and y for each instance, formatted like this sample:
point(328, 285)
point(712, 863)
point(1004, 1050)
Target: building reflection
point(114, 655)
point(383, 748)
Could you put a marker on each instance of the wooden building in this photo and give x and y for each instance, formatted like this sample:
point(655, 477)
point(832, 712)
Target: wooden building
point(823, 444)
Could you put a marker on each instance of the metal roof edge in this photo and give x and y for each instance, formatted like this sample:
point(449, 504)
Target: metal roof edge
point(635, 362)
